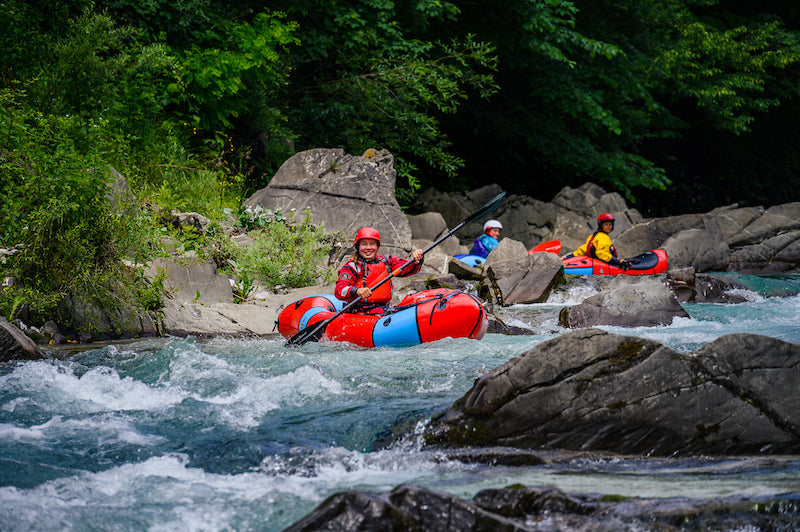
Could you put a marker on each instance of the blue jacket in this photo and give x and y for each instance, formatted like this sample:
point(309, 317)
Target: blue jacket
point(483, 245)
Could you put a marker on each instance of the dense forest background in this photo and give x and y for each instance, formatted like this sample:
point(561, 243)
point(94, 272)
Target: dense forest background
point(680, 105)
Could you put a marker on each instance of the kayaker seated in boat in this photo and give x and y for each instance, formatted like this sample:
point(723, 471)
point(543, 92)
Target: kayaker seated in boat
point(366, 268)
point(599, 246)
point(488, 240)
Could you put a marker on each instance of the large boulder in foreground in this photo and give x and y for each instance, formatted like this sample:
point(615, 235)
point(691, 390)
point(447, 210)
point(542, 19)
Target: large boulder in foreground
point(592, 390)
point(341, 191)
point(626, 301)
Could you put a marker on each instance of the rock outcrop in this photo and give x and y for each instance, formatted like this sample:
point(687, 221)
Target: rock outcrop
point(14, 345)
point(513, 276)
point(626, 301)
point(342, 192)
point(747, 239)
point(570, 217)
point(592, 390)
point(517, 509)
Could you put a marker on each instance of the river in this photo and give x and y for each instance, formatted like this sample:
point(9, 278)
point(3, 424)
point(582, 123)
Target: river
point(232, 434)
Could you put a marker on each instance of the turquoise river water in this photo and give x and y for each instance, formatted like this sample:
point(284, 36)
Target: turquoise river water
point(189, 434)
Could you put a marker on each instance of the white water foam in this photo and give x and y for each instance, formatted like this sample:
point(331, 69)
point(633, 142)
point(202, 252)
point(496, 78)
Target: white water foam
point(184, 498)
point(56, 388)
point(105, 429)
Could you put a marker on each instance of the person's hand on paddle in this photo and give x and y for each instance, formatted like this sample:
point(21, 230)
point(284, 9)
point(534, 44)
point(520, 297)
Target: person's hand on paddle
point(417, 256)
point(364, 292)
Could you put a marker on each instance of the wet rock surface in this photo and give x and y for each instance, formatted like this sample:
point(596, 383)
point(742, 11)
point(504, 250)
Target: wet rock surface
point(519, 508)
point(627, 302)
point(593, 390)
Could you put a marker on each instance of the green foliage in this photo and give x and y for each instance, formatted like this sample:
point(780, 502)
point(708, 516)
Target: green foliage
point(176, 178)
point(252, 218)
point(726, 70)
point(288, 255)
point(408, 182)
point(238, 64)
point(362, 82)
point(68, 229)
point(100, 72)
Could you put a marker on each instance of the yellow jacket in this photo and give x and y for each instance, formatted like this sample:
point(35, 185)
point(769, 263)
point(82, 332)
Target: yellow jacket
point(602, 245)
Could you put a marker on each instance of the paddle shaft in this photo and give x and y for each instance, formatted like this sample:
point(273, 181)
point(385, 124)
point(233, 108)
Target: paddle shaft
point(314, 332)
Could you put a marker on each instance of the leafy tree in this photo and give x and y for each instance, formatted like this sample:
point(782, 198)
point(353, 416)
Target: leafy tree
point(612, 91)
point(717, 75)
point(363, 78)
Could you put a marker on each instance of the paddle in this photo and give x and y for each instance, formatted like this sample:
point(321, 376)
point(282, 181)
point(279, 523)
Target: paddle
point(314, 332)
point(551, 246)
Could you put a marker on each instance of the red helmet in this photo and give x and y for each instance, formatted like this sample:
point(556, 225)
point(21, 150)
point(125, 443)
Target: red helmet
point(605, 217)
point(368, 232)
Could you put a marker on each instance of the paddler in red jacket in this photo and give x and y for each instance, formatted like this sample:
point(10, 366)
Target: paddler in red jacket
point(366, 268)
point(599, 246)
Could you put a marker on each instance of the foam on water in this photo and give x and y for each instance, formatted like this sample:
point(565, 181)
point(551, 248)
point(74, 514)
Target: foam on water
point(56, 387)
point(161, 493)
point(106, 429)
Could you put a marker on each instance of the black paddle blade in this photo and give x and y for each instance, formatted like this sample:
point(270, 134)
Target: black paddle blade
point(309, 334)
point(486, 209)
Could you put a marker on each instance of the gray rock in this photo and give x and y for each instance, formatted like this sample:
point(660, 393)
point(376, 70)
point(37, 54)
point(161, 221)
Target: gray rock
point(15, 345)
point(591, 390)
point(697, 248)
point(257, 319)
point(445, 280)
point(427, 226)
point(528, 508)
point(626, 301)
point(704, 287)
point(523, 279)
point(773, 221)
point(328, 183)
point(731, 220)
point(188, 219)
point(508, 250)
point(652, 233)
point(192, 280)
point(406, 508)
point(590, 201)
point(571, 215)
point(773, 255)
point(498, 326)
point(464, 271)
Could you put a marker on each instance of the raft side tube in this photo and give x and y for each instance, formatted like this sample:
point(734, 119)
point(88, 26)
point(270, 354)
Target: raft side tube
point(299, 314)
point(399, 328)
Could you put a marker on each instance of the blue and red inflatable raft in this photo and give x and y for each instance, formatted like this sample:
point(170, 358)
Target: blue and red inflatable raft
point(422, 317)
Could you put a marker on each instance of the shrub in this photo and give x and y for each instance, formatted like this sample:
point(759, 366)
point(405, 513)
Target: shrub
point(289, 255)
point(70, 234)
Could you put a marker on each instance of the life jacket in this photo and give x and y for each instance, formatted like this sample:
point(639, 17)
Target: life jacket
point(590, 249)
point(480, 249)
point(371, 274)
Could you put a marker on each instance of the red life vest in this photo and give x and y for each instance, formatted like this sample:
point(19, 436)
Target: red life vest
point(372, 274)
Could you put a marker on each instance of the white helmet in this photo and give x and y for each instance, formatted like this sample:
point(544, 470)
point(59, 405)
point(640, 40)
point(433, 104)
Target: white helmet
point(492, 223)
